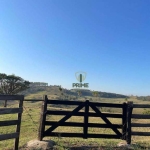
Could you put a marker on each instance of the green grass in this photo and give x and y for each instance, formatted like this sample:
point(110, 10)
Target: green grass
point(30, 124)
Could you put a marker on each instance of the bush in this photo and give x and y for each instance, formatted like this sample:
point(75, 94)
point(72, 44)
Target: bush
point(146, 112)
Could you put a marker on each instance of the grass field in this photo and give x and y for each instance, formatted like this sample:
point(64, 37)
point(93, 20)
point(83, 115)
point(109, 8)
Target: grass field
point(30, 124)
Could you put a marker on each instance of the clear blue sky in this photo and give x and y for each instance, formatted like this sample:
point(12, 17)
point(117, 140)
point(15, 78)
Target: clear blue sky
point(50, 40)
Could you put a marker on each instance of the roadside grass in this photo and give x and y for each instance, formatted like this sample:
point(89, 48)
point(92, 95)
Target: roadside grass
point(30, 124)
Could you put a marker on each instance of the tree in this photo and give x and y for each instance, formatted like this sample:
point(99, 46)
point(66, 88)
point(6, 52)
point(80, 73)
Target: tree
point(79, 93)
point(61, 90)
point(126, 99)
point(95, 93)
point(11, 84)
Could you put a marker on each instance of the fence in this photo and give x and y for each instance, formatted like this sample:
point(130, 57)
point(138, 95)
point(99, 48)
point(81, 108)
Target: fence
point(12, 122)
point(140, 116)
point(125, 116)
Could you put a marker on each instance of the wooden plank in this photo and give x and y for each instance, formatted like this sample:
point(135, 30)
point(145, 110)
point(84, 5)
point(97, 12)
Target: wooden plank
point(140, 125)
point(90, 114)
point(139, 116)
point(85, 128)
point(11, 97)
point(19, 123)
point(76, 124)
point(42, 118)
point(124, 121)
point(8, 123)
point(108, 136)
point(33, 100)
point(10, 110)
point(56, 134)
point(141, 133)
point(141, 106)
point(8, 136)
point(66, 102)
point(105, 119)
point(107, 105)
point(65, 118)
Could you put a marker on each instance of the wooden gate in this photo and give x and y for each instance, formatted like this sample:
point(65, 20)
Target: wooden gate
point(12, 122)
point(86, 114)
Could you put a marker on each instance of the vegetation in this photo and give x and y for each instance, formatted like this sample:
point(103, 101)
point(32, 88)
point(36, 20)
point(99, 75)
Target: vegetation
point(144, 98)
point(52, 90)
point(146, 112)
point(11, 84)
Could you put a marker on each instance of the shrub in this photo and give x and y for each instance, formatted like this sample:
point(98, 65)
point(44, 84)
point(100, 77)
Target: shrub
point(146, 112)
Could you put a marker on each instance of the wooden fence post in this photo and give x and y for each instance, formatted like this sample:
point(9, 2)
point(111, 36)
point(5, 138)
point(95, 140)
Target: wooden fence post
point(129, 116)
point(19, 123)
point(124, 121)
point(85, 128)
point(42, 119)
point(5, 103)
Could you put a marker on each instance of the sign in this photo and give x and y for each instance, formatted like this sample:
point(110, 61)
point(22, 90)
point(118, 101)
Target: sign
point(80, 76)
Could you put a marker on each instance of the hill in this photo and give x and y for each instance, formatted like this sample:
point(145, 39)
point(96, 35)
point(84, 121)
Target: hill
point(54, 90)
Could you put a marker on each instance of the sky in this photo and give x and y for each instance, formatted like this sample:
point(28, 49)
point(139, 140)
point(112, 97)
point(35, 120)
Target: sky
point(50, 40)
